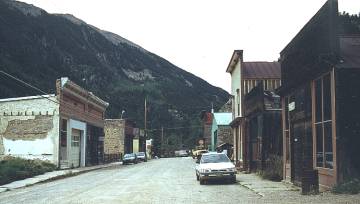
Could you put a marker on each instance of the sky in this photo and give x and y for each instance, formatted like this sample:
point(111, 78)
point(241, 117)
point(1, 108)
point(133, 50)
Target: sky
point(200, 36)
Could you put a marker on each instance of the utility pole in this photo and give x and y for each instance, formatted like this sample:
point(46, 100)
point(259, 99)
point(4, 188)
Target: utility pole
point(145, 122)
point(162, 141)
point(145, 115)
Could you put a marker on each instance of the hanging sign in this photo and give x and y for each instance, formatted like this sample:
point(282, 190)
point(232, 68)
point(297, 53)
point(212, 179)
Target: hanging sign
point(291, 106)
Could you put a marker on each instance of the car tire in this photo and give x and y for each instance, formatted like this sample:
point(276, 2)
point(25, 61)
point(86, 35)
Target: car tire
point(233, 179)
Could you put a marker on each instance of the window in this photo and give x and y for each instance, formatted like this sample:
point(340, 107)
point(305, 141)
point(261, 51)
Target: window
point(238, 101)
point(265, 84)
point(323, 122)
point(63, 133)
point(246, 87)
point(75, 138)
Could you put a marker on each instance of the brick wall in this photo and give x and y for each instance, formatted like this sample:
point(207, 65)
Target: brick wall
point(114, 136)
point(29, 128)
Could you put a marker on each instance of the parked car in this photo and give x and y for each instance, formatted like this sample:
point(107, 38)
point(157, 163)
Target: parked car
point(130, 158)
point(141, 156)
point(197, 154)
point(181, 153)
point(215, 165)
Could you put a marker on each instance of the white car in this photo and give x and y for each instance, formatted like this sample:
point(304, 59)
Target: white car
point(215, 165)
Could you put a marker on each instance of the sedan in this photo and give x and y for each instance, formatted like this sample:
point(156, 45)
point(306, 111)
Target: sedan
point(215, 166)
point(130, 158)
point(141, 156)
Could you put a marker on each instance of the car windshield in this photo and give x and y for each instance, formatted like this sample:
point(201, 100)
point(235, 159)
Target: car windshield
point(214, 158)
point(128, 155)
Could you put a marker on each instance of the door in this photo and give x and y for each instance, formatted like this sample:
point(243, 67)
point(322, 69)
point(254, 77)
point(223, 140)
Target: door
point(297, 149)
point(75, 147)
point(63, 143)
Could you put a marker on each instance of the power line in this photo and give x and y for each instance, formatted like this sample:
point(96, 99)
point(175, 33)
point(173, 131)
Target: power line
point(37, 89)
point(176, 128)
point(29, 85)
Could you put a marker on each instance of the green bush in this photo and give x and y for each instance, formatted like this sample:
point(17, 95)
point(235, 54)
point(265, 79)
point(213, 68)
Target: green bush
point(273, 169)
point(13, 168)
point(348, 187)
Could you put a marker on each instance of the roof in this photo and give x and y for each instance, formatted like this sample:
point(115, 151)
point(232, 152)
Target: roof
point(27, 98)
point(223, 118)
point(66, 83)
point(350, 51)
point(236, 56)
point(261, 70)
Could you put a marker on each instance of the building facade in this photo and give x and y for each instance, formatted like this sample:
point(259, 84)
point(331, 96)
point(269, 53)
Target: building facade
point(244, 77)
point(320, 69)
point(121, 137)
point(65, 129)
point(220, 130)
point(263, 129)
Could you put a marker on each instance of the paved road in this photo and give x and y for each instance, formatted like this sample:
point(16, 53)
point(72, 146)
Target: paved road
point(158, 181)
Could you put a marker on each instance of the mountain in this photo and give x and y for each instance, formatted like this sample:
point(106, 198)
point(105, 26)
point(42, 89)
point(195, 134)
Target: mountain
point(39, 47)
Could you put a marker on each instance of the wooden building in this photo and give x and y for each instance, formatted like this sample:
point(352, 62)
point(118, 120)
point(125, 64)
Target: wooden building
point(244, 77)
point(321, 121)
point(262, 128)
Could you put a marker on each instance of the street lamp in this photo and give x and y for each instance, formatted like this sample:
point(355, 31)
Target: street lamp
point(122, 112)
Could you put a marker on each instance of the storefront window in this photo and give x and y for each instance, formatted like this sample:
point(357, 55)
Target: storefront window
point(323, 122)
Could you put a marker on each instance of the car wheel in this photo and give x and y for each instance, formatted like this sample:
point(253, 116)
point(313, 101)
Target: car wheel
point(233, 179)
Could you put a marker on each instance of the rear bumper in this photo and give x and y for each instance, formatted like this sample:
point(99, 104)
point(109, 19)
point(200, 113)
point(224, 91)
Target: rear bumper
point(129, 161)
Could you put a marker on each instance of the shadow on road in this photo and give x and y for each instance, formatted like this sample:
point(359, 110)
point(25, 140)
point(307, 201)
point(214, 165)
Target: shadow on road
point(221, 182)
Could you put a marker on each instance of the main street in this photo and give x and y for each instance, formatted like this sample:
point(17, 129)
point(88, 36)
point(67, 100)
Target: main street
point(169, 180)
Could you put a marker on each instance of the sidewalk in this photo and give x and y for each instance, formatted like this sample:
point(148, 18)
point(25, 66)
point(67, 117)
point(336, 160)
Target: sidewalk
point(52, 175)
point(262, 186)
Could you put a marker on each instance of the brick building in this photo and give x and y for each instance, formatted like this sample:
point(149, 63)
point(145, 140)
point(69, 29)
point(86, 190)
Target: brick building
point(207, 119)
point(65, 129)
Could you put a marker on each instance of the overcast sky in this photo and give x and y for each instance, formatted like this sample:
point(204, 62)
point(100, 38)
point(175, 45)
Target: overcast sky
point(200, 35)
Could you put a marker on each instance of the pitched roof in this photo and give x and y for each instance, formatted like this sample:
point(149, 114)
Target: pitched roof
point(236, 56)
point(350, 51)
point(223, 118)
point(261, 70)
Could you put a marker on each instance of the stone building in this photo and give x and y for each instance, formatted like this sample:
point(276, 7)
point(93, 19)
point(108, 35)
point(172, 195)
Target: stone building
point(119, 137)
point(65, 129)
point(114, 137)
